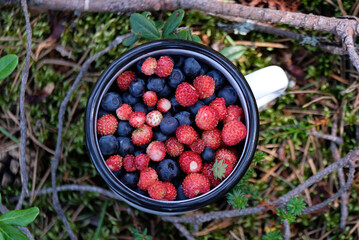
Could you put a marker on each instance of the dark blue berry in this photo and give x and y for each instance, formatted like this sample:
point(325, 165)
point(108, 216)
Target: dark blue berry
point(159, 136)
point(191, 68)
point(140, 107)
point(129, 99)
point(138, 152)
point(208, 100)
point(180, 194)
point(155, 84)
point(167, 114)
point(207, 155)
point(119, 173)
point(184, 118)
point(178, 61)
point(229, 95)
point(144, 193)
point(126, 146)
point(137, 87)
point(111, 101)
point(149, 109)
point(194, 108)
point(168, 125)
point(175, 105)
point(176, 78)
point(108, 145)
point(166, 92)
point(139, 65)
point(130, 179)
point(124, 128)
point(101, 113)
point(218, 78)
point(168, 170)
point(204, 69)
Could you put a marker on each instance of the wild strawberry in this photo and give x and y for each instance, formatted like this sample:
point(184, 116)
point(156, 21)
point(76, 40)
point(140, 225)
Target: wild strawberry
point(207, 172)
point(233, 132)
point(224, 153)
point(137, 119)
point(206, 118)
point(129, 163)
point(234, 112)
point(124, 80)
point(219, 104)
point(150, 98)
point(114, 163)
point(212, 138)
point(106, 125)
point(148, 176)
point(197, 146)
point(142, 161)
point(171, 192)
point(124, 112)
point(195, 184)
point(222, 168)
point(204, 85)
point(157, 190)
point(156, 151)
point(173, 147)
point(190, 162)
point(186, 94)
point(164, 66)
point(186, 134)
point(154, 118)
point(164, 105)
point(142, 135)
point(149, 66)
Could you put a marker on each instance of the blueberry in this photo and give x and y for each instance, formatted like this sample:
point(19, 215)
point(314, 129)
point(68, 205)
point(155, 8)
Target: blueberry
point(178, 61)
point(137, 87)
point(144, 193)
point(168, 125)
point(138, 152)
point(175, 105)
point(129, 99)
point(207, 155)
point(194, 108)
point(218, 78)
point(140, 107)
point(176, 78)
point(168, 169)
point(111, 101)
point(229, 94)
point(204, 69)
point(166, 91)
point(101, 113)
point(124, 128)
point(149, 109)
point(159, 136)
point(208, 100)
point(191, 68)
point(155, 84)
point(130, 179)
point(139, 65)
point(108, 144)
point(167, 114)
point(180, 194)
point(126, 146)
point(119, 173)
point(184, 118)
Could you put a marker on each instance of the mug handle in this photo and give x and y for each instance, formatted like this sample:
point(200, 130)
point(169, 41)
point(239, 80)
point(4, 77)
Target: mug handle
point(267, 84)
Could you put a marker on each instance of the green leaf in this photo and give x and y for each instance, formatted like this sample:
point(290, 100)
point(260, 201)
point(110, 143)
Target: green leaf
point(7, 134)
point(131, 40)
point(99, 226)
point(296, 205)
point(274, 235)
point(189, 35)
point(197, 39)
point(173, 22)
point(159, 25)
point(233, 52)
point(7, 65)
point(237, 199)
point(219, 168)
point(141, 25)
point(183, 34)
point(19, 217)
point(12, 233)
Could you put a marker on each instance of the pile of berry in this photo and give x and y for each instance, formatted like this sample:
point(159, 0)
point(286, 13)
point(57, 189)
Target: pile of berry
point(170, 128)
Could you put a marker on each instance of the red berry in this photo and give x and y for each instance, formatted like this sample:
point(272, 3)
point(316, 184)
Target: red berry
point(206, 118)
point(186, 94)
point(124, 112)
point(142, 135)
point(164, 105)
point(224, 153)
point(142, 161)
point(107, 125)
point(208, 173)
point(212, 138)
point(150, 98)
point(137, 119)
point(149, 66)
point(222, 168)
point(156, 151)
point(124, 80)
point(171, 192)
point(148, 176)
point(186, 134)
point(204, 85)
point(234, 112)
point(114, 163)
point(195, 184)
point(154, 118)
point(197, 146)
point(157, 190)
point(233, 132)
point(219, 104)
point(190, 162)
point(173, 147)
point(129, 163)
point(164, 66)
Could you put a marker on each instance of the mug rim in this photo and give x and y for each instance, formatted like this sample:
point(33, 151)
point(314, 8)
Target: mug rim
point(198, 51)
